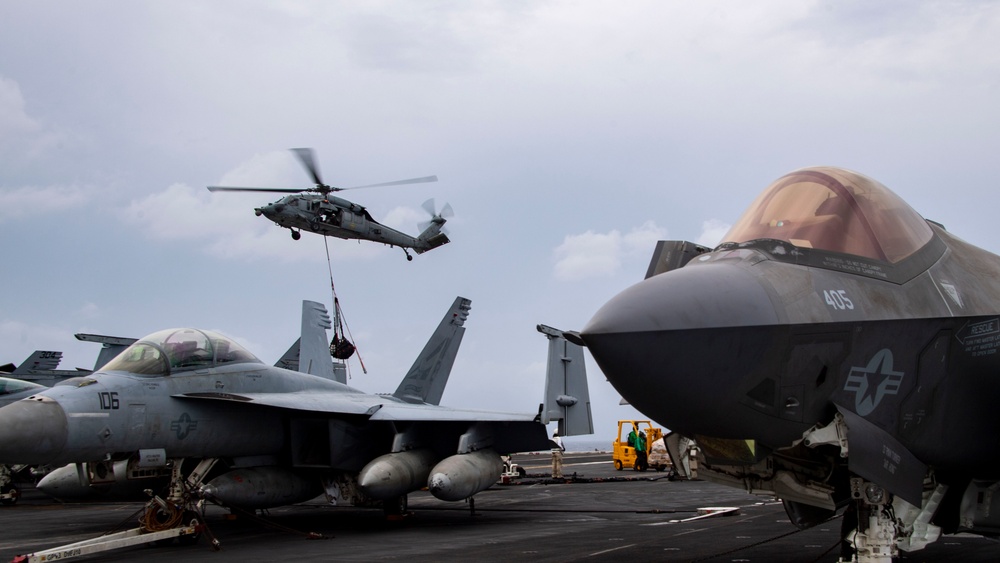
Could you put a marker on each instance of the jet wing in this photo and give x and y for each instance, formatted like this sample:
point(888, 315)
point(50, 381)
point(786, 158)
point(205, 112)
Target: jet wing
point(399, 412)
point(373, 406)
point(337, 402)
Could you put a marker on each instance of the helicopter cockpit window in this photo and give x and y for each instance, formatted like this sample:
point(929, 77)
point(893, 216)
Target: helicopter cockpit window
point(836, 210)
point(177, 350)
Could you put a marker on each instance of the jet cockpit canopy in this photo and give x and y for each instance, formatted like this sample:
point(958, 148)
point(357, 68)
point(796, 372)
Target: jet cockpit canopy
point(179, 349)
point(836, 210)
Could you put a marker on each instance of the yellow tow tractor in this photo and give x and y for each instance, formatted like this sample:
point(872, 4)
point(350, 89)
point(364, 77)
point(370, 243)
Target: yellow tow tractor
point(634, 446)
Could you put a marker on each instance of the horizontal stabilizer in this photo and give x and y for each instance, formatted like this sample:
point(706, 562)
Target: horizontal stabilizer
point(111, 346)
point(567, 395)
point(425, 381)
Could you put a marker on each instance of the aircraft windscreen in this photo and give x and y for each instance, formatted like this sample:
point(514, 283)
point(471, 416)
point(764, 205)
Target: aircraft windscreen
point(836, 210)
point(174, 350)
point(11, 386)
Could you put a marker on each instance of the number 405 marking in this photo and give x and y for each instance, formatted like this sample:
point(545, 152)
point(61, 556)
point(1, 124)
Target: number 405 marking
point(838, 299)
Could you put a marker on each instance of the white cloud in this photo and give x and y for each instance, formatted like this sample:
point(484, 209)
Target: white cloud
point(20, 134)
point(593, 254)
point(89, 310)
point(712, 232)
point(19, 202)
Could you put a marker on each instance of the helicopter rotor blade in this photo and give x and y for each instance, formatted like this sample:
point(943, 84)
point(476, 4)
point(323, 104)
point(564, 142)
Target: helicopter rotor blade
point(436, 217)
point(396, 183)
point(236, 189)
point(309, 161)
point(429, 207)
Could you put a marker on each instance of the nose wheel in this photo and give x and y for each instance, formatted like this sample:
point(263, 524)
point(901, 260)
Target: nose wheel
point(296, 235)
point(409, 258)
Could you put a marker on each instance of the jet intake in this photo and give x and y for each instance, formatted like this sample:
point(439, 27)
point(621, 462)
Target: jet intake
point(261, 487)
point(460, 476)
point(396, 474)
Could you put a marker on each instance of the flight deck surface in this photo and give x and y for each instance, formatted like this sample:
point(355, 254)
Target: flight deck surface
point(612, 516)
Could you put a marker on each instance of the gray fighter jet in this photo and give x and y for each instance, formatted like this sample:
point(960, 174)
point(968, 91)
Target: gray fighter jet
point(836, 349)
point(246, 434)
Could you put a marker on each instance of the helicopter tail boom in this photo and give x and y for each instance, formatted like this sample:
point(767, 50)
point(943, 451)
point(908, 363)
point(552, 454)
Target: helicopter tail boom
point(432, 237)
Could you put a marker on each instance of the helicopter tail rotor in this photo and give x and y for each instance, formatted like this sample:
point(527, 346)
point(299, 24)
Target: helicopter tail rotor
point(437, 217)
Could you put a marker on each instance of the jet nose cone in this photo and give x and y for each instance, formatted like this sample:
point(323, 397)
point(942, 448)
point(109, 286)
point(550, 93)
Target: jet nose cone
point(258, 211)
point(677, 345)
point(32, 431)
point(696, 297)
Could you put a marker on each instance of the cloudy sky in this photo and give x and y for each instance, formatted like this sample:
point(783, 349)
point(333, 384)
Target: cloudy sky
point(568, 137)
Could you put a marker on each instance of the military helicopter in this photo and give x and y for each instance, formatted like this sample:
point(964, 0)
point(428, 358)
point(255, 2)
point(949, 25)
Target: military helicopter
point(318, 211)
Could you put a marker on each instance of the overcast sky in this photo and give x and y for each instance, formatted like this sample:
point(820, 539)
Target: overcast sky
point(568, 137)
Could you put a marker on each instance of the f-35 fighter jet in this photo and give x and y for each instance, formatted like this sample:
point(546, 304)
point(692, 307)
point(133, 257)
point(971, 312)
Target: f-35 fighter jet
point(835, 350)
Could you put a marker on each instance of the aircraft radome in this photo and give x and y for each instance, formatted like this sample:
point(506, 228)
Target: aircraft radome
point(836, 350)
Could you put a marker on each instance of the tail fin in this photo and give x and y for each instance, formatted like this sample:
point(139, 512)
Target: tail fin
point(290, 359)
point(111, 346)
point(314, 348)
point(38, 360)
point(432, 236)
point(567, 395)
point(425, 381)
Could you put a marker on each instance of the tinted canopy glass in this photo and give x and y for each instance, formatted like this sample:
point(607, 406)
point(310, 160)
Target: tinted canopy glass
point(836, 210)
point(11, 386)
point(179, 349)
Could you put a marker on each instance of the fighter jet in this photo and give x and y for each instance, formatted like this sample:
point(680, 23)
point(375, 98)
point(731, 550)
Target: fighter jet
point(259, 436)
point(835, 350)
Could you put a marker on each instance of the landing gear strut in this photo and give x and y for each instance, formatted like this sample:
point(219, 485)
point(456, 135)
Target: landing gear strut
point(873, 537)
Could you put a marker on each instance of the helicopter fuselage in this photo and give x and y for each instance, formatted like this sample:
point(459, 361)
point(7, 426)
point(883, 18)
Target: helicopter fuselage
point(329, 215)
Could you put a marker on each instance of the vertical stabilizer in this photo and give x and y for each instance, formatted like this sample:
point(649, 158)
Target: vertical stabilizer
point(290, 359)
point(38, 360)
point(314, 348)
point(567, 395)
point(425, 381)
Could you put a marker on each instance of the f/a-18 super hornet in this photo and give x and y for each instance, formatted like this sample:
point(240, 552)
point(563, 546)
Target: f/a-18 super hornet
point(836, 349)
point(259, 436)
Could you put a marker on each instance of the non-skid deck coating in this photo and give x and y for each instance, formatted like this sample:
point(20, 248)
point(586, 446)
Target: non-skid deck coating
point(538, 521)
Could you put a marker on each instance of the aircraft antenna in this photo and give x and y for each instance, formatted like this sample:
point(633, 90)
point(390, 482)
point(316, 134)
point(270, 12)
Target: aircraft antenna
point(341, 347)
